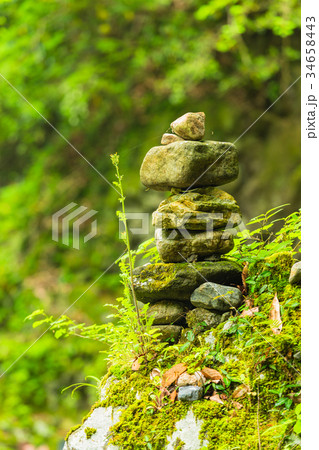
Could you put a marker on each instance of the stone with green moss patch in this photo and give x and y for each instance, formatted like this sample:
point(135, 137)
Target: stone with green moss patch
point(154, 282)
point(216, 297)
point(176, 246)
point(186, 163)
point(89, 431)
point(199, 209)
point(167, 312)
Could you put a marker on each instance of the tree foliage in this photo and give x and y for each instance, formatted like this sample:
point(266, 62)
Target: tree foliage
point(111, 76)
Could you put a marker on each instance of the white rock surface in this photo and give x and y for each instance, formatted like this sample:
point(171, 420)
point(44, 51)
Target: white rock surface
point(102, 419)
point(187, 431)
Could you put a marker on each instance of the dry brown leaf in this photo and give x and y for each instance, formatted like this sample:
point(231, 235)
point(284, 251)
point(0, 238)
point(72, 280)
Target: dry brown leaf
point(237, 405)
point(240, 391)
point(216, 398)
point(171, 375)
point(173, 396)
point(136, 364)
point(212, 374)
point(274, 316)
point(249, 312)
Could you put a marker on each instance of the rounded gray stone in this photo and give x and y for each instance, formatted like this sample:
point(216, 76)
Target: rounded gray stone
point(190, 126)
point(295, 273)
point(169, 332)
point(167, 312)
point(216, 296)
point(201, 319)
point(190, 393)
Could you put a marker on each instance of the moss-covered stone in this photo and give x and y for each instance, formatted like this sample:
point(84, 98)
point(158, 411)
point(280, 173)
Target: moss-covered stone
point(185, 164)
point(199, 209)
point(199, 319)
point(154, 282)
point(173, 246)
point(167, 312)
point(168, 332)
point(216, 297)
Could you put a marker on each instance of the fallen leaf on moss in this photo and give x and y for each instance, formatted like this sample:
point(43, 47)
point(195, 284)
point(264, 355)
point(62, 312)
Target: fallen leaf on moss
point(173, 396)
point(216, 398)
point(237, 405)
point(249, 312)
point(171, 375)
point(212, 374)
point(240, 391)
point(274, 316)
point(136, 364)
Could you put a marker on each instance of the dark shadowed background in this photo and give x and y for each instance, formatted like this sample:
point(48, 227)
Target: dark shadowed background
point(111, 76)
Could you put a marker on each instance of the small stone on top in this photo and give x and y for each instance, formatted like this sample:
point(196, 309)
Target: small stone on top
point(190, 126)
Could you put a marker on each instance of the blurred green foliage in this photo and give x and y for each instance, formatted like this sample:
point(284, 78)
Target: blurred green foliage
point(111, 76)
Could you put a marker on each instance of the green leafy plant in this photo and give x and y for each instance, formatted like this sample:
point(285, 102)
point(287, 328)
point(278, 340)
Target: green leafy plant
point(129, 334)
point(258, 245)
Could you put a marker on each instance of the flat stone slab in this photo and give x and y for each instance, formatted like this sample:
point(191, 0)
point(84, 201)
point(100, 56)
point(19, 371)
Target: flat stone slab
point(189, 163)
point(154, 282)
point(216, 296)
point(167, 312)
point(173, 246)
point(200, 209)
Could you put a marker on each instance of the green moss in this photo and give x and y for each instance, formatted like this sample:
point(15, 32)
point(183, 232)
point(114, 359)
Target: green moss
point(179, 444)
point(158, 277)
point(89, 432)
point(76, 427)
point(249, 353)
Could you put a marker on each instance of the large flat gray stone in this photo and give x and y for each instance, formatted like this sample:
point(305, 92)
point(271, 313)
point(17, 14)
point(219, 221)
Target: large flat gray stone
point(173, 246)
point(189, 163)
point(200, 209)
point(161, 281)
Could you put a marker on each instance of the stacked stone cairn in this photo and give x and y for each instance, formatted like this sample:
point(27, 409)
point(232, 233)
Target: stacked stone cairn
point(194, 286)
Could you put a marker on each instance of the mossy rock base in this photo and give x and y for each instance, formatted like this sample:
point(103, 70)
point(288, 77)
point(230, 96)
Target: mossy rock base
point(154, 282)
